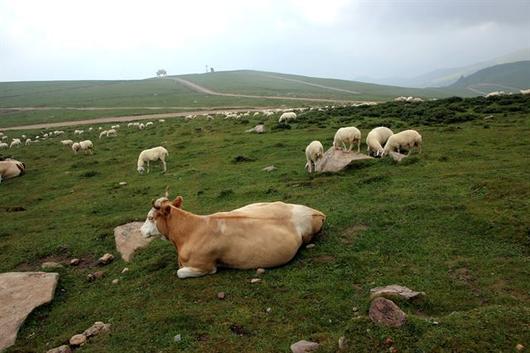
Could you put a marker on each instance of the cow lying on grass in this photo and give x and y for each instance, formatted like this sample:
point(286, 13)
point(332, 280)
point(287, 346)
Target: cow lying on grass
point(10, 168)
point(258, 235)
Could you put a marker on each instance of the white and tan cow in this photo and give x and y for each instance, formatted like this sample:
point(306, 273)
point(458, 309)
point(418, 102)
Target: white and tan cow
point(10, 168)
point(258, 235)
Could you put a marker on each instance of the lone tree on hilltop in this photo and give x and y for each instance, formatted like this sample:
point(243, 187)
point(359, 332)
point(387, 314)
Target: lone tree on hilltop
point(161, 73)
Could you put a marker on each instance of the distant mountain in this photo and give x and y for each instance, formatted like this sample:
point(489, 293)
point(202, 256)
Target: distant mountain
point(510, 77)
point(447, 76)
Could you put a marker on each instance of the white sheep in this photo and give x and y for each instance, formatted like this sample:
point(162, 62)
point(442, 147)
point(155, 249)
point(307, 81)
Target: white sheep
point(4, 138)
point(67, 142)
point(496, 94)
point(347, 135)
point(3, 145)
point(23, 136)
point(525, 91)
point(28, 142)
point(78, 132)
point(149, 123)
point(376, 139)
point(117, 126)
point(130, 124)
point(15, 142)
point(407, 139)
point(45, 135)
point(161, 121)
point(86, 146)
point(102, 133)
point(287, 116)
point(141, 126)
point(90, 128)
point(152, 154)
point(58, 132)
point(313, 152)
point(112, 132)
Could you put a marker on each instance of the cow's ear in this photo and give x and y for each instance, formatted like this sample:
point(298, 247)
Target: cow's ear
point(166, 209)
point(178, 202)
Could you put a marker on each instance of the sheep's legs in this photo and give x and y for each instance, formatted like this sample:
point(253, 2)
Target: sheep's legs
point(359, 146)
point(164, 165)
point(147, 166)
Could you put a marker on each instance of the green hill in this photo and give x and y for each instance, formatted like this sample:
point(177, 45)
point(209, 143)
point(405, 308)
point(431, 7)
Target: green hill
point(510, 77)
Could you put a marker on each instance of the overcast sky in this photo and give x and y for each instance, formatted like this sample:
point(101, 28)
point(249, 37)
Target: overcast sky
point(70, 39)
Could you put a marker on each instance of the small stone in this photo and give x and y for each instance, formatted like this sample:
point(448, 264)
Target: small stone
point(260, 271)
point(268, 310)
point(519, 347)
point(61, 349)
point(309, 246)
point(105, 259)
point(122, 183)
point(115, 281)
point(221, 295)
point(355, 309)
point(269, 168)
point(125, 270)
point(50, 265)
point(395, 290)
point(386, 312)
point(96, 275)
point(389, 341)
point(96, 329)
point(255, 280)
point(304, 346)
point(177, 338)
point(343, 343)
point(77, 340)
point(74, 262)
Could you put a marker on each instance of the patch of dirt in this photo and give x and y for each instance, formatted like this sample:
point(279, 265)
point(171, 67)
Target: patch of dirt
point(239, 330)
point(464, 275)
point(349, 234)
point(323, 259)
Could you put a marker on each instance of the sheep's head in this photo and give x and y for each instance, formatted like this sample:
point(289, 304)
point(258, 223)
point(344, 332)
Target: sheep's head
point(141, 169)
point(156, 222)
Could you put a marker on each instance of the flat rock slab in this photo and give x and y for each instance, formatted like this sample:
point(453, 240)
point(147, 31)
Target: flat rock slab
point(129, 239)
point(395, 290)
point(336, 160)
point(20, 293)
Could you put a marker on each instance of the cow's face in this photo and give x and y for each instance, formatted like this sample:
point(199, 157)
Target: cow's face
point(157, 217)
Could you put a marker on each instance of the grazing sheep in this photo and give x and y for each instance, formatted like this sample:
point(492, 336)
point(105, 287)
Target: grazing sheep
point(376, 139)
point(102, 133)
point(112, 132)
point(313, 152)
point(115, 126)
point(85, 145)
point(405, 139)
point(90, 128)
point(10, 168)
point(45, 136)
point(496, 94)
point(58, 132)
point(3, 145)
point(4, 138)
point(28, 142)
point(525, 91)
point(141, 126)
point(15, 142)
point(78, 132)
point(287, 116)
point(149, 123)
point(23, 136)
point(67, 142)
point(161, 121)
point(347, 135)
point(130, 124)
point(152, 154)
point(260, 128)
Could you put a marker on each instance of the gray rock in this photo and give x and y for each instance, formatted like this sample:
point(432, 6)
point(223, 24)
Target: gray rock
point(260, 271)
point(304, 346)
point(97, 328)
point(395, 290)
point(221, 295)
point(385, 312)
point(336, 160)
point(20, 293)
point(61, 349)
point(177, 338)
point(343, 343)
point(398, 157)
point(77, 340)
point(269, 168)
point(129, 239)
point(74, 262)
point(105, 259)
point(255, 280)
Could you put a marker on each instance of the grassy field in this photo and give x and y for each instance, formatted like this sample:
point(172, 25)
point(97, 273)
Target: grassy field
point(453, 221)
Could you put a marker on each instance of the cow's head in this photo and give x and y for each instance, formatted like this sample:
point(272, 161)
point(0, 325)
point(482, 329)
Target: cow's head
point(157, 217)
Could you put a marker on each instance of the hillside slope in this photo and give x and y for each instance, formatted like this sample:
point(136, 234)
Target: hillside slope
point(508, 77)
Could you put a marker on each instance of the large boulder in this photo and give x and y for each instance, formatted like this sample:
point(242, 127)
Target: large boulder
point(336, 160)
point(129, 239)
point(20, 293)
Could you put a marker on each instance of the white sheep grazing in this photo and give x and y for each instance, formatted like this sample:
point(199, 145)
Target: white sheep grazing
point(15, 142)
point(58, 132)
point(161, 121)
point(78, 132)
point(86, 146)
point(149, 123)
point(347, 135)
point(141, 126)
point(407, 139)
point(130, 124)
point(287, 116)
point(23, 136)
point(152, 154)
point(4, 138)
point(28, 142)
point(3, 145)
point(67, 142)
point(90, 128)
point(103, 133)
point(112, 132)
point(376, 139)
point(525, 91)
point(313, 152)
point(45, 135)
point(115, 126)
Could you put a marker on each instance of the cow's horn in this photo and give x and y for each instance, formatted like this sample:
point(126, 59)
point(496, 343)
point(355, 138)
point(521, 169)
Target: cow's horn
point(166, 194)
